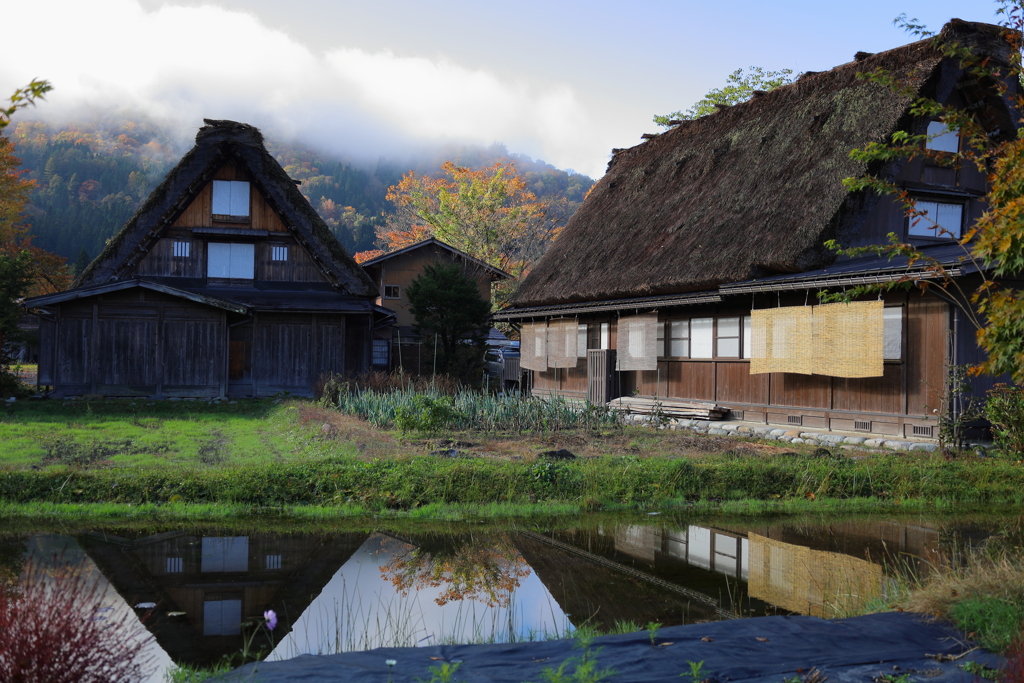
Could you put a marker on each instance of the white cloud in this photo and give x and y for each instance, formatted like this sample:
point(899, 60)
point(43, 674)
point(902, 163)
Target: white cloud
point(182, 63)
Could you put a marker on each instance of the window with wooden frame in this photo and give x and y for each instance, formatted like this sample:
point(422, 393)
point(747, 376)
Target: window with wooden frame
point(230, 261)
point(661, 339)
point(581, 340)
point(182, 249)
point(230, 200)
point(278, 253)
point(702, 337)
point(941, 138)
point(892, 345)
point(392, 292)
point(727, 338)
point(940, 220)
point(678, 341)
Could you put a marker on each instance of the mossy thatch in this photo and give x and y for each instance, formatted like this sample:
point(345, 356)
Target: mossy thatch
point(216, 143)
point(751, 190)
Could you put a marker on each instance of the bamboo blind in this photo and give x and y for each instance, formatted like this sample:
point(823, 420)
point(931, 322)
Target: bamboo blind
point(781, 340)
point(562, 343)
point(638, 342)
point(533, 346)
point(815, 582)
point(838, 340)
point(849, 339)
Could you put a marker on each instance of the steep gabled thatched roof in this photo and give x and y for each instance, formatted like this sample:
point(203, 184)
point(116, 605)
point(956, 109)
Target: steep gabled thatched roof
point(751, 190)
point(216, 143)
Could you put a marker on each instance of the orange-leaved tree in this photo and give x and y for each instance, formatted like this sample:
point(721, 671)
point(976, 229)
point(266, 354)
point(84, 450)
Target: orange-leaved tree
point(488, 213)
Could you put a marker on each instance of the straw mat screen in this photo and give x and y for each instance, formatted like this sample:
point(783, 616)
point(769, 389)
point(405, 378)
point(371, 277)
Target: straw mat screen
point(837, 340)
point(562, 343)
point(849, 339)
point(815, 582)
point(782, 340)
point(533, 346)
point(638, 342)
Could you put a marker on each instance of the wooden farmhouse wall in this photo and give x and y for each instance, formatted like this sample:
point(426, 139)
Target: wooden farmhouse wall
point(904, 397)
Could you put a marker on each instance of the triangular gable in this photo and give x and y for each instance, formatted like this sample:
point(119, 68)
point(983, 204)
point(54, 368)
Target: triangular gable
point(220, 145)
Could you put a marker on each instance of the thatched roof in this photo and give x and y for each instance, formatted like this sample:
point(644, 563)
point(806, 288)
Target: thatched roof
point(216, 143)
point(751, 190)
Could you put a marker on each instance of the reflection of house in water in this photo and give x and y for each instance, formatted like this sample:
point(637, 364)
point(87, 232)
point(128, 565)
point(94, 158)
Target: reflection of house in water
point(218, 582)
point(817, 570)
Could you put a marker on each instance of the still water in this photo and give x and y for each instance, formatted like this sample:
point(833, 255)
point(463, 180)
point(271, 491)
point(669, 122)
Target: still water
point(339, 590)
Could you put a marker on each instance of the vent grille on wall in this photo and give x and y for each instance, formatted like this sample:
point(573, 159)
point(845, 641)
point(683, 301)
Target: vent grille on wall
point(795, 419)
point(861, 426)
point(922, 431)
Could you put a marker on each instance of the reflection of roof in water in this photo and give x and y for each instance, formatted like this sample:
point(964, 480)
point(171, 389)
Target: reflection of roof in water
point(588, 586)
point(167, 569)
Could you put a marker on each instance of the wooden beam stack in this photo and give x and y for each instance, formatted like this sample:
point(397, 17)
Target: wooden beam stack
point(691, 410)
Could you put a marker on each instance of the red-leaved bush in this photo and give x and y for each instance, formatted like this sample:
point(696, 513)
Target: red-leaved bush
point(53, 629)
point(1013, 670)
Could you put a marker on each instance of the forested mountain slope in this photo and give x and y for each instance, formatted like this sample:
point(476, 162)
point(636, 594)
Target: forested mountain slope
point(91, 175)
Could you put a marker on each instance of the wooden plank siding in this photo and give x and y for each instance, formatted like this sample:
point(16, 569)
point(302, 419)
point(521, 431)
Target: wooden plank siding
point(902, 397)
point(199, 212)
point(297, 268)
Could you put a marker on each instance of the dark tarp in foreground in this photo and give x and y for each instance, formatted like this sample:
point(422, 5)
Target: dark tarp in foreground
point(761, 650)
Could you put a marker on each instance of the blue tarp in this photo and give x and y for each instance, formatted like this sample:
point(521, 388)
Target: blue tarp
point(760, 650)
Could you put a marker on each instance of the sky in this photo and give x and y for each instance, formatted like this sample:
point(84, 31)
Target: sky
point(560, 80)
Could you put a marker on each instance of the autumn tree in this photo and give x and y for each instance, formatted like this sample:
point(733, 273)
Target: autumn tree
point(995, 243)
point(24, 268)
point(739, 87)
point(489, 213)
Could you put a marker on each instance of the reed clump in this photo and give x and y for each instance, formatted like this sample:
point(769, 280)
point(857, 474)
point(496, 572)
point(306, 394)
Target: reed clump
point(981, 589)
point(432, 409)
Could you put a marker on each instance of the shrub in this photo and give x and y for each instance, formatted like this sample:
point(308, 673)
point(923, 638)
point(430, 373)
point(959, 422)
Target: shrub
point(1005, 410)
point(54, 631)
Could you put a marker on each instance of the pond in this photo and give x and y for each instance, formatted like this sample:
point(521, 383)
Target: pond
point(341, 589)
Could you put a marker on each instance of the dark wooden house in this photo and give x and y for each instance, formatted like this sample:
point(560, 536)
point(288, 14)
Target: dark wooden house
point(698, 230)
point(225, 283)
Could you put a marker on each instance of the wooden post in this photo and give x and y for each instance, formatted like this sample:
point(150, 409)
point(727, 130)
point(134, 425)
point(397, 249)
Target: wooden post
point(252, 353)
point(225, 350)
point(159, 350)
point(94, 365)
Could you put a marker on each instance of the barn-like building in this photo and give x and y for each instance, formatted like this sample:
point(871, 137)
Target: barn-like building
point(226, 282)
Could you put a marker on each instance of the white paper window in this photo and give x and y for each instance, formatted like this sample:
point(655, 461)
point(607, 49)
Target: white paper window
point(581, 341)
point(941, 138)
point(606, 336)
point(892, 347)
point(940, 219)
point(278, 253)
point(380, 352)
point(746, 336)
point(702, 337)
point(225, 554)
point(679, 338)
point(182, 249)
point(230, 198)
point(661, 339)
point(222, 617)
point(728, 338)
point(225, 260)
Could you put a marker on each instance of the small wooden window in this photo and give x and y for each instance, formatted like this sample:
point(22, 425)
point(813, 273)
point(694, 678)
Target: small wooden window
point(679, 338)
point(728, 338)
point(175, 565)
point(272, 561)
point(598, 336)
point(940, 219)
point(941, 138)
point(380, 352)
point(278, 253)
point(182, 249)
point(231, 261)
point(661, 339)
point(392, 292)
point(230, 199)
point(702, 337)
point(892, 346)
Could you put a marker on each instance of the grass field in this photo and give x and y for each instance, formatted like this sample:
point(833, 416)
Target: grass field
point(263, 456)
